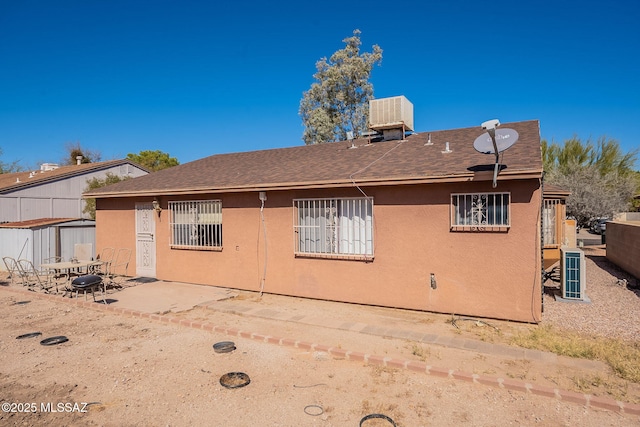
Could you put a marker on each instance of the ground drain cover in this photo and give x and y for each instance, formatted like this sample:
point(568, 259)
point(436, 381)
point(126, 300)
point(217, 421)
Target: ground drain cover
point(234, 380)
point(224, 346)
point(29, 335)
point(54, 340)
point(380, 416)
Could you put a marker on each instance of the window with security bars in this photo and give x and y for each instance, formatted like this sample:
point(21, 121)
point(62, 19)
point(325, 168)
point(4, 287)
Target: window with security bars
point(549, 223)
point(196, 224)
point(340, 227)
point(480, 210)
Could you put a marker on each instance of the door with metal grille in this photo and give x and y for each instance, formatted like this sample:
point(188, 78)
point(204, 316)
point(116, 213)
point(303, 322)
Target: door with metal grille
point(145, 240)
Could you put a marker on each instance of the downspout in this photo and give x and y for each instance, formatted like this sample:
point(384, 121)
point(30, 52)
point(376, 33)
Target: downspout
point(263, 197)
point(542, 275)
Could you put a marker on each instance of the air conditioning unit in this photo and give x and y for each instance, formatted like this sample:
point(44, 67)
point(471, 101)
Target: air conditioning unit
point(572, 274)
point(391, 113)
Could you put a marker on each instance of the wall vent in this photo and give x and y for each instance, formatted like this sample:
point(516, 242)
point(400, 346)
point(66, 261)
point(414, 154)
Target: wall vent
point(391, 113)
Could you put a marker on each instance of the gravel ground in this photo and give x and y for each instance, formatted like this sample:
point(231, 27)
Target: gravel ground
point(614, 310)
point(129, 371)
point(137, 372)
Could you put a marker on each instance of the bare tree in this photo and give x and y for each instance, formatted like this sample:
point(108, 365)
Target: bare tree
point(594, 195)
point(75, 150)
point(600, 176)
point(9, 167)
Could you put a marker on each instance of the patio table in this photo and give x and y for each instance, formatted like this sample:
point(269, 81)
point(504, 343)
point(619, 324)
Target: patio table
point(69, 267)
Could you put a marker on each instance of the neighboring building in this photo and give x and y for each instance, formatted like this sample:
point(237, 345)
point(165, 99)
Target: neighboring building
point(40, 240)
point(557, 231)
point(55, 191)
point(413, 223)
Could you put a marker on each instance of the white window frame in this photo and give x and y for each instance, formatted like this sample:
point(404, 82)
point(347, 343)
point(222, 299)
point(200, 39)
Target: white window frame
point(477, 211)
point(196, 224)
point(334, 227)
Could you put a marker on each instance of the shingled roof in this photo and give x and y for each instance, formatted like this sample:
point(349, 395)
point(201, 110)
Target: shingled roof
point(554, 191)
point(339, 164)
point(14, 181)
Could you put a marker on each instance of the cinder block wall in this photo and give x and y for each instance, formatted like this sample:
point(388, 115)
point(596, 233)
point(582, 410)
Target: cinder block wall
point(623, 245)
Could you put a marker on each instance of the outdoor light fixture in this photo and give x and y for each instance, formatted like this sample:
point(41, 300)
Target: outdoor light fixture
point(156, 205)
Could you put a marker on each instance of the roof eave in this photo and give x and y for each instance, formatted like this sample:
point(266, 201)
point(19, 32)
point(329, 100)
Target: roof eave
point(409, 180)
point(72, 173)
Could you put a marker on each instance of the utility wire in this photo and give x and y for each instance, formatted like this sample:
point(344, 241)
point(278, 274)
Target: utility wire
point(371, 164)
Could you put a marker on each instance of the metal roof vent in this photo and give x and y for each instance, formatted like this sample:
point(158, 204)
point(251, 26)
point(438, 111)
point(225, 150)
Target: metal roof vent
point(48, 167)
point(390, 115)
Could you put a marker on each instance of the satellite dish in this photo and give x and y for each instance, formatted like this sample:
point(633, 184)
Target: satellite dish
point(495, 141)
point(505, 138)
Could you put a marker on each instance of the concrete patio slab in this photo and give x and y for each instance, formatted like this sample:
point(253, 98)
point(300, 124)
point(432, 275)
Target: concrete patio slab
point(164, 297)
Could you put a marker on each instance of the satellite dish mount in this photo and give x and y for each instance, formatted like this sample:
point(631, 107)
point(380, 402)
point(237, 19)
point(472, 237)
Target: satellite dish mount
point(495, 141)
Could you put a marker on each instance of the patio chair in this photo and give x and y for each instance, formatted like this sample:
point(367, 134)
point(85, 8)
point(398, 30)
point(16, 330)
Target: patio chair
point(57, 277)
point(105, 259)
point(32, 277)
point(83, 251)
point(119, 267)
point(12, 268)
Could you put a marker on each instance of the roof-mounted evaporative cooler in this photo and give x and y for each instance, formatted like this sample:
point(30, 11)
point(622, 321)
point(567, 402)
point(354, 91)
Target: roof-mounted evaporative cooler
point(572, 274)
point(392, 117)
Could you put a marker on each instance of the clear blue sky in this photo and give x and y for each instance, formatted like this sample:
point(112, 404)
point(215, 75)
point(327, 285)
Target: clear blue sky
point(196, 78)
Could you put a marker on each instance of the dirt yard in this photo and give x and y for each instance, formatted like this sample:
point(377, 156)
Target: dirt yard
point(121, 371)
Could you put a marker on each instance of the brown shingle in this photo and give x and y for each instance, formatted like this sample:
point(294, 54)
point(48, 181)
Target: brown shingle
point(336, 164)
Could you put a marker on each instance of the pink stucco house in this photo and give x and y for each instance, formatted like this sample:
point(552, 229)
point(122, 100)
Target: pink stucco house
point(412, 223)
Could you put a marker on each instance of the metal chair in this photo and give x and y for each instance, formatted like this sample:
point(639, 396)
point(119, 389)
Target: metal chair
point(12, 268)
point(56, 276)
point(32, 277)
point(105, 258)
point(83, 251)
point(118, 268)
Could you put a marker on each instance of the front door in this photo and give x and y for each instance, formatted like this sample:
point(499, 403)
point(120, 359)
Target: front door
point(145, 240)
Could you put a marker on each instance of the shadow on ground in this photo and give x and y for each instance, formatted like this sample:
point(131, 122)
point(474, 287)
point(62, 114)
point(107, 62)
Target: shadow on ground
point(623, 278)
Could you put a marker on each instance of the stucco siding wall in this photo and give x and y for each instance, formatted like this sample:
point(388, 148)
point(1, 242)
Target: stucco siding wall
point(623, 245)
point(489, 274)
point(116, 227)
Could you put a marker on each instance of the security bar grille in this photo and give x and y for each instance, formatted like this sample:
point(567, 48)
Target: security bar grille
point(196, 224)
point(549, 225)
point(482, 210)
point(334, 226)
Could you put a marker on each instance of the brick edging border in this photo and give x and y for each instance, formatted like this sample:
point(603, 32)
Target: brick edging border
point(412, 365)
